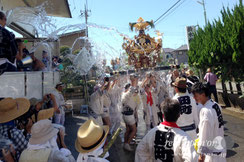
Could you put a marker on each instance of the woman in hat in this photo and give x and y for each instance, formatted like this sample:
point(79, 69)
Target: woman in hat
point(43, 147)
point(90, 141)
point(10, 110)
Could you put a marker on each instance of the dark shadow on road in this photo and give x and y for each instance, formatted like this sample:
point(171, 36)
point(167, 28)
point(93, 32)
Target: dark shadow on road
point(230, 153)
point(235, 145)
point(71, 127)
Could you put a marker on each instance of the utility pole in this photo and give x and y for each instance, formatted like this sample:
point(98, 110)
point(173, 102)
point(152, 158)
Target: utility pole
point(85, 14)
point(205, 17)
point(204, 10)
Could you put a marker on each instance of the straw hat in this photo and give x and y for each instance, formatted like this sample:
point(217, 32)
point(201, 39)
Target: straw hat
point(43, 114)
point(180, 82)
point(11, 109)
point(42, 131)
point(189, 72)
point(90, 136)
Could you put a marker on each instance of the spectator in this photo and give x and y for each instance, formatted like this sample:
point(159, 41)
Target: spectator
point(19, 55)
point(59, 117)
point(26, 64)
point(47, 102)
point(10, 110)
point(45, 59)
point(90, 141)
point(43, 146)
point(8, 47)
point(211, 79)
point(211, 127)
point(37, 65)
point(166, 142)
point(55, 63)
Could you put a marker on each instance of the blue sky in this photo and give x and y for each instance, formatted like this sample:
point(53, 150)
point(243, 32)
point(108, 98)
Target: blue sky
point(118, 14)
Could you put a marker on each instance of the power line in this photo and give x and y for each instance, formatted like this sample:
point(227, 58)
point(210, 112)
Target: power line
point(167, 11)
point(172, 11)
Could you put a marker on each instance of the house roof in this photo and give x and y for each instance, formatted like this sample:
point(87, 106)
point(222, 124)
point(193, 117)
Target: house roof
point(168, 50)
point(73, 32)
point(182, 48)
point(58, 8)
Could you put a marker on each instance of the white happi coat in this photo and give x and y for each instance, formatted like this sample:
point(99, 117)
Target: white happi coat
point(106, 103)
point(189, 115)
point(96, 104)
point(154, 146)
point(153, 110)
point(211, 128)
point(162, 92)
point(115, 97)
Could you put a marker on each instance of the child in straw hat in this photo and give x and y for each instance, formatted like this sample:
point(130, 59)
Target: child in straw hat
point(90, 141)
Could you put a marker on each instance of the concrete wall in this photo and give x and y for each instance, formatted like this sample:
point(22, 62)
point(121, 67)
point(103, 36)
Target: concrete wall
point(232, 98)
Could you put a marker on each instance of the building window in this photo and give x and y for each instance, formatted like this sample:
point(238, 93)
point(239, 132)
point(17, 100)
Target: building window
point(180, 52)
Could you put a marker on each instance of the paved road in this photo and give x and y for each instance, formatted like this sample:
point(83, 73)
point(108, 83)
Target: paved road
point(234, 135)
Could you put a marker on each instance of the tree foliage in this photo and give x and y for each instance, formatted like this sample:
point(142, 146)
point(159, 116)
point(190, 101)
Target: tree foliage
point(220, 45)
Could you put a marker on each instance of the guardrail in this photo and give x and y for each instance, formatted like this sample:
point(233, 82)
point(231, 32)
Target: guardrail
point(28, 84)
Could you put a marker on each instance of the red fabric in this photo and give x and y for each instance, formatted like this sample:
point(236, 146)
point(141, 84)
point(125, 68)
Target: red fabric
point(170, 124)
point(149, 98)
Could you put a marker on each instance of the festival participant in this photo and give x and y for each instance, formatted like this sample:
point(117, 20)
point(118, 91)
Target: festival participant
point(101, 102)
point(191, 79)
point(130, 104)
point(211, 127)
point(106, 102)
point(188, 120)
point(10, 110)
point(149, 101)
point(115, 96)
point(166, 142)
point(90, 140)
point(161, 89)
point(43, 146)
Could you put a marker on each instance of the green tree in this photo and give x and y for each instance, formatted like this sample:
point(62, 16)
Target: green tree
point(220, 45)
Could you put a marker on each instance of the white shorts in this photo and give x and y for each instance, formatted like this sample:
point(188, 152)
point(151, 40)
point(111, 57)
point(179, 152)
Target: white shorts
point(129, 119)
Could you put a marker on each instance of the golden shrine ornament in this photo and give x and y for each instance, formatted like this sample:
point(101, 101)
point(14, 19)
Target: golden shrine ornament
point(143, 51)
